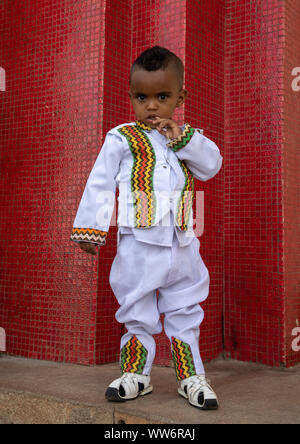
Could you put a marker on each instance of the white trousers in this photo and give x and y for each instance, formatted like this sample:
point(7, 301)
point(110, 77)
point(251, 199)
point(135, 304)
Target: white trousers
point(182, 280)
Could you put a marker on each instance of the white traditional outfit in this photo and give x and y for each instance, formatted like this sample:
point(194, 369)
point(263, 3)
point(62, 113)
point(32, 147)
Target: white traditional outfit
point(157, 247)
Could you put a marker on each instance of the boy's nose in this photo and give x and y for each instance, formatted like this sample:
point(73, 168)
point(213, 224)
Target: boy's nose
point(151, 105)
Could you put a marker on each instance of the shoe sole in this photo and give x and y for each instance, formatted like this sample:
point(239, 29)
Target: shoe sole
point(112, 394)
point(209, 404)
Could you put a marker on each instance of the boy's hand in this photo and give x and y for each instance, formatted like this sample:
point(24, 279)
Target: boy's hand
point(167, 127)
point(88, 247)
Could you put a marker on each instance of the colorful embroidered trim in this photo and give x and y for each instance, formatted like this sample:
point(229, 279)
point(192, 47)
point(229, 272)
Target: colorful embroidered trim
point(182, 140)
point(141, 175)
point(133, 356)
point(141, 125)
point(185, 202)
point(89, 235)
point(183, 359)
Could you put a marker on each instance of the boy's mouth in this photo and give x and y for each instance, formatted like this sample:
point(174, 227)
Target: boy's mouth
point(151, 118)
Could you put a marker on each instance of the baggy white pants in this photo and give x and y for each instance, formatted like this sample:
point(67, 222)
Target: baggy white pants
point(182, 279)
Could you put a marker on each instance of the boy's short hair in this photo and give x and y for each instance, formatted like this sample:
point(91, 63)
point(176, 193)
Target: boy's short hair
point(157, 57)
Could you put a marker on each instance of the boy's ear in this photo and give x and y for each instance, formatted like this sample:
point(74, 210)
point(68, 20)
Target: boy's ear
point(181, 97)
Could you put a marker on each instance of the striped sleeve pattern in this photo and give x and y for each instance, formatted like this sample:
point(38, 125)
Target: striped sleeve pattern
point(88, 235)
point(182, 140)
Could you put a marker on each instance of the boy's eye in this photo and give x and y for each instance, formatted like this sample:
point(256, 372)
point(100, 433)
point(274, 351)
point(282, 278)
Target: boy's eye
point(141, 97)
point(163, 96)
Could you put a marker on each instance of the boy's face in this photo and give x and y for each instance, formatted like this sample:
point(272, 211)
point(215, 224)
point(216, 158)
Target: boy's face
point(155, 93)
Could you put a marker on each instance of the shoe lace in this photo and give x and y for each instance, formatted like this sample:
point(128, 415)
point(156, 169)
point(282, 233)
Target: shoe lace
point(130, 376)
point(129, 382)
point(199, 383)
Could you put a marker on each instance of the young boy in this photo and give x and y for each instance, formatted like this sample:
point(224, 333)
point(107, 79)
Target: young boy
point(153, 162)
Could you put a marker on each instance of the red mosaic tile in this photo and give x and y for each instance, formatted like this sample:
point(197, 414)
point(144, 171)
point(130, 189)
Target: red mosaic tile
point(66, 81)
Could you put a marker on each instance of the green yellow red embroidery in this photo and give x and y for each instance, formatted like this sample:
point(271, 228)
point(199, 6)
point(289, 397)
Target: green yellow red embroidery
point(133, 356)
point(141, 175)
point(142, 125)
point(182, 140)
point(185, 203)
point(183, 359)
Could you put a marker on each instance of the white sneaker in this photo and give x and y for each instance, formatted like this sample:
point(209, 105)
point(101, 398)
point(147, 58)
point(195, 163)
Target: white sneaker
point(198, 392)
point(129, 386)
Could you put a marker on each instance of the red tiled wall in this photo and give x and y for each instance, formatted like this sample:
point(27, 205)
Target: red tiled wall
point(67, 66)
point(253, 256)
point(261, 250)
point(50, 135)
point(291, 181)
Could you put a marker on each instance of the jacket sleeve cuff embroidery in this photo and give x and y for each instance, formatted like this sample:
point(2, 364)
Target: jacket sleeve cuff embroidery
point(88, 235)
point(182, 140)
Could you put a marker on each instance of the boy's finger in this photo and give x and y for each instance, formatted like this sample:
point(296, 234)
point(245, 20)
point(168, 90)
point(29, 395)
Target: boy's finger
point(163, 122)
point(88, 248)
point(164, 125)
point(159, 121)
point(92, 249)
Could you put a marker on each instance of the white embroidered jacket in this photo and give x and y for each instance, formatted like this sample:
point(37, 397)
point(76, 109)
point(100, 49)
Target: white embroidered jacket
point(155, 178)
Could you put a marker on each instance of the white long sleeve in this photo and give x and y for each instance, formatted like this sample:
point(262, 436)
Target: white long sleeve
point(201, 155)
point(94, 213)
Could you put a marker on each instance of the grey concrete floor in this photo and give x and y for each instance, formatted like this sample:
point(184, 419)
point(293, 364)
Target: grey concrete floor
point(39, 392)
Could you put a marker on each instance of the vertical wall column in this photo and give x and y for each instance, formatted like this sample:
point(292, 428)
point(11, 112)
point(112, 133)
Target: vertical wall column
point(253, 213)
point(52, 53)
point(291, 181)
